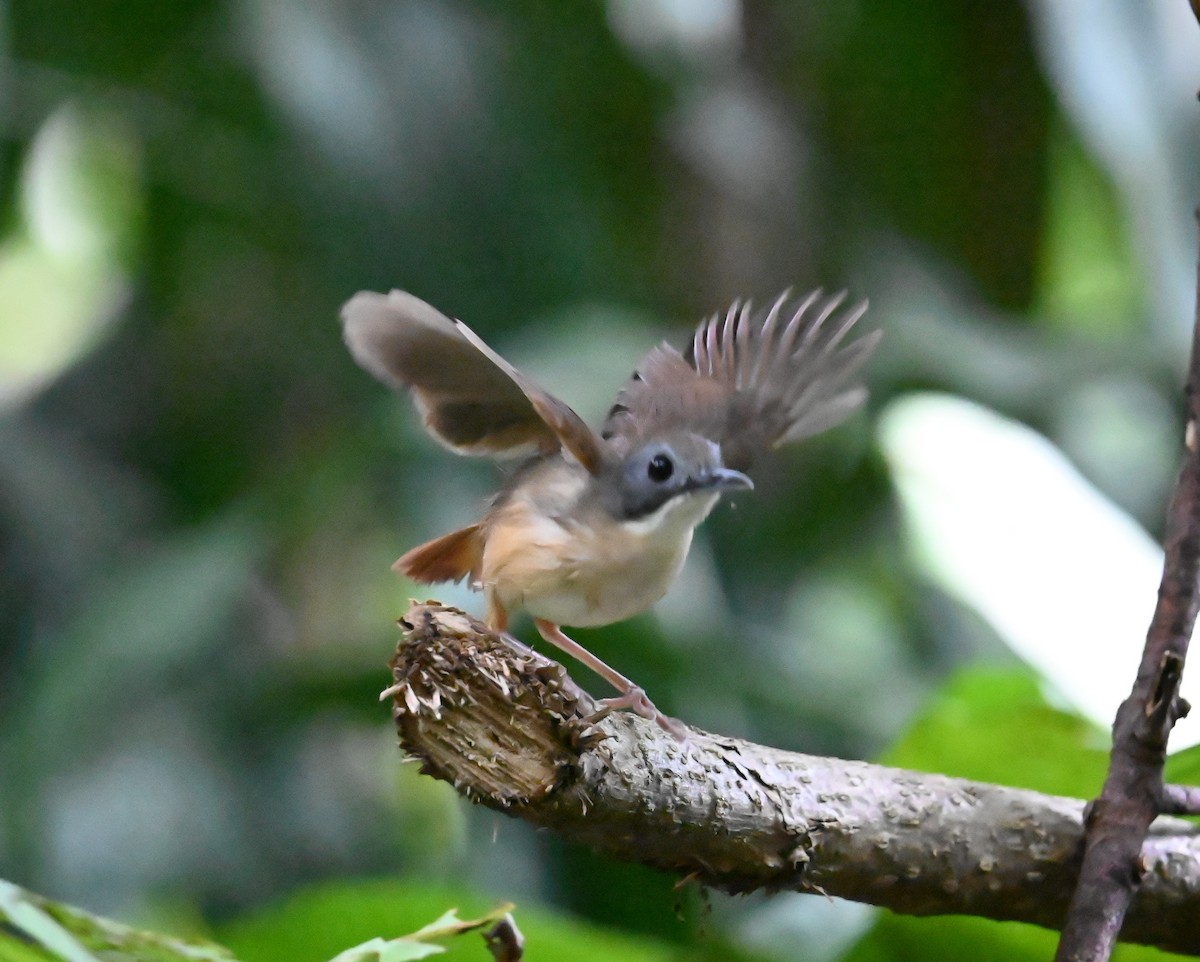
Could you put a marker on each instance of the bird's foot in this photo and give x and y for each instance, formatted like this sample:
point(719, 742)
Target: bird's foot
point(637, 701)
point(633, 697)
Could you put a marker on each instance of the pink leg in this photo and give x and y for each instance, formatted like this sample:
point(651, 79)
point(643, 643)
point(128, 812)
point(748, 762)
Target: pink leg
point(632, 696)
point(497, 614)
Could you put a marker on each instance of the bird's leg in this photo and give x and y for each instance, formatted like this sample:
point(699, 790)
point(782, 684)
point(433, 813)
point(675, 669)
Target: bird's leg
point(497, 620)
point(632, 696)
point(497, 614)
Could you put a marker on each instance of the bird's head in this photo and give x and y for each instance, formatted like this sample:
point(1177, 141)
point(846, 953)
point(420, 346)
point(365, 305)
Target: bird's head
point(678, 473)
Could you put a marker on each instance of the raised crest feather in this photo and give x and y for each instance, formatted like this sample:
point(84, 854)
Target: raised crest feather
point(755, 381)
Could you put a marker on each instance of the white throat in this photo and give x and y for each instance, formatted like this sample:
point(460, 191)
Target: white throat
point(676, 517)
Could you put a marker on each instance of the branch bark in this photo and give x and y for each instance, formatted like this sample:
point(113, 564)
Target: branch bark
point(1114, 863)
point(508, 728)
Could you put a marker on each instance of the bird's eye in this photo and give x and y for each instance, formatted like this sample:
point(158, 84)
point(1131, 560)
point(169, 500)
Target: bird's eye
point(660, 468)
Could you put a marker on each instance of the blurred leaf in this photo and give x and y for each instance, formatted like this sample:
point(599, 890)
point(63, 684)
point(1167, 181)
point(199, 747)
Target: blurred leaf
point(1089, 279)
point(81, 186)
point(390, 950)
point(898, 938)
point(13, 948)
point(36, 929)
point(417, 945)
point(994, 725)
point(450, 924)
point(313, 925)
point(1002, 521)
point(1183, 768)
point(63, 270)
point(25, 914)
point(1124, 75)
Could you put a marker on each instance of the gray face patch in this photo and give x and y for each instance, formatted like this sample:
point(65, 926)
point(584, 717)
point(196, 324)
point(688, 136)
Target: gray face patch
point(668, 468)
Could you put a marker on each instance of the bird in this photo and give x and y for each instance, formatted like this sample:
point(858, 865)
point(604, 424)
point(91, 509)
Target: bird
point(593, 526)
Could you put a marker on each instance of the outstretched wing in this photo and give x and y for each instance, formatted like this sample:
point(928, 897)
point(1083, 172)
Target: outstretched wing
point(471, 399)
point(754, 381)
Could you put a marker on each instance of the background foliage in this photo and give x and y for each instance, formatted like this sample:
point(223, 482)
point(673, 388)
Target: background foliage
point(200, 494)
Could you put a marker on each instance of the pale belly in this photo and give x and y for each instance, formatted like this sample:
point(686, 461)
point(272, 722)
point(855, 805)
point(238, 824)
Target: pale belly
point(571, 576)
point(593, 594)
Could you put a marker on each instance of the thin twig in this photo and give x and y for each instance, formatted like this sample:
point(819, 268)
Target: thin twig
point(1113, 864)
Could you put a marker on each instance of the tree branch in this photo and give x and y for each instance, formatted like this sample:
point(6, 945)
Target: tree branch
point(507, 727)
point(1114, 863)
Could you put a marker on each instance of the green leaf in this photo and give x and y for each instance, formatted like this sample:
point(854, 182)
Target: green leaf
point(63, 273)
point(316, 924)
point(1003, 521)
point(22, 912)
point(1183, 768)
point(417, 945)
point(1089, 276)
point(898, 938)
point(35, 929)
point(389, 950)
point(450, 924)
point(994, 725)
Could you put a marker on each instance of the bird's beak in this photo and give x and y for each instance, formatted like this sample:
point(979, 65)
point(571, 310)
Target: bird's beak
point(724, 479)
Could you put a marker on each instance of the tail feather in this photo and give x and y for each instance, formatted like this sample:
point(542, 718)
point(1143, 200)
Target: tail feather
point(451, 557)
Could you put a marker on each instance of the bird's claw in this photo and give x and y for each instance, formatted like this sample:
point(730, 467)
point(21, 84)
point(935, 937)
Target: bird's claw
point(637, 701)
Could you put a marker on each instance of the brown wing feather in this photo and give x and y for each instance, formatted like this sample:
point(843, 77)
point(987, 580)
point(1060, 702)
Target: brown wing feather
point(471, 399)
point(568, 428)
point(755, 381)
